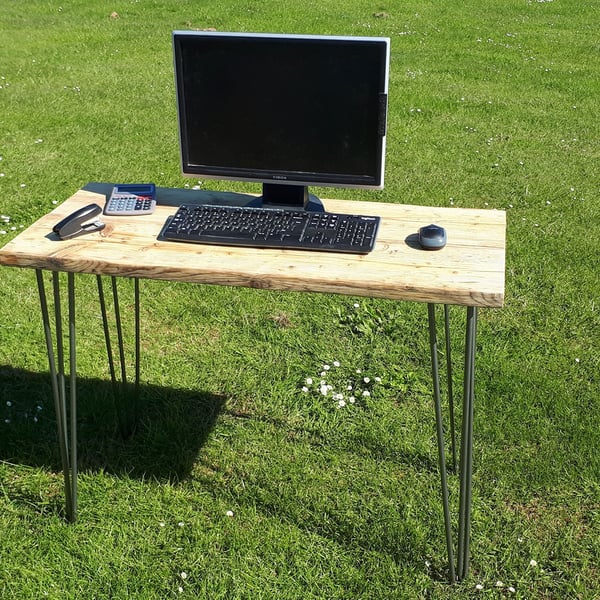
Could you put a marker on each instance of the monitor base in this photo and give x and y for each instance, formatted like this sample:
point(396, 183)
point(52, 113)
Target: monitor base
point(279, 195)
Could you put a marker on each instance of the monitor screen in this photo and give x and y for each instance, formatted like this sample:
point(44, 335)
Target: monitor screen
point(286, 111)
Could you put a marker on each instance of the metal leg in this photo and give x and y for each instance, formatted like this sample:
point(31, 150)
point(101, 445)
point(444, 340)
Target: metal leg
point(136, 299)
point(461, 569)
point(66, 418)
point(57, 380)
point(126, 421)
point(73, 391)
point(440, 438)
point(466, 459)
point(119, 330)
point(449, 383)
point(109, 352)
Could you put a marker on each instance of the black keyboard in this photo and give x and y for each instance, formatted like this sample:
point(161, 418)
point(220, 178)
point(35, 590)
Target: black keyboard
point(272, 228)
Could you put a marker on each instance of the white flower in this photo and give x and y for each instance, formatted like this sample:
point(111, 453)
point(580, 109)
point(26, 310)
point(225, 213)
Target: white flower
point(356, 305)
point(336, 363)
point(533, 563)
point(479, 587)
point(304, 389)
point(367, 379)
point(352, 399)
point(180, 524)
point(378, 379)
point(183, 575)
point(309, 381)
point(499, 584)
point(326, 367)
point(341, 403)
point(366, 393)
point(511, 589)
point(8, 403)
point(161, 523)
point(229, 513)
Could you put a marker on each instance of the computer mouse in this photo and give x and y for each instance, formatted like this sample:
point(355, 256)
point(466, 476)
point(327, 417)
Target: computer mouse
point(432, 237)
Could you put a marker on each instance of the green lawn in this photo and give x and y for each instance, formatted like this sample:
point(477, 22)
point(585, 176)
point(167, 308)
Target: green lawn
point(237, 484)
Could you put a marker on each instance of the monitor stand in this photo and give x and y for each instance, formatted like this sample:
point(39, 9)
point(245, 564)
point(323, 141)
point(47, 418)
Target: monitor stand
point(283, 195)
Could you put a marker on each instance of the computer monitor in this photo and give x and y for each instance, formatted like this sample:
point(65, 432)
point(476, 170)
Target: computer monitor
point(286, 111)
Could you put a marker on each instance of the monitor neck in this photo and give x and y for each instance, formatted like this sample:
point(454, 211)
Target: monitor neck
point(283, 195)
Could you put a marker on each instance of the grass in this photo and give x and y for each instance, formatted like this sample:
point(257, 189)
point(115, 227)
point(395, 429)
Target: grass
point(237, 484)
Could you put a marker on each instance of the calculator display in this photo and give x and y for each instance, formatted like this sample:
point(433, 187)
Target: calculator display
point(146, 189)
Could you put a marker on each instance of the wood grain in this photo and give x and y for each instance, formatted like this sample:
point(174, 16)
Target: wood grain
point(468, 271)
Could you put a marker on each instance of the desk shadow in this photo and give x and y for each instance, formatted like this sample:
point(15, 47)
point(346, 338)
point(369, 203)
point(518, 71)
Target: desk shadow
point(179, 196)
point(172, 426)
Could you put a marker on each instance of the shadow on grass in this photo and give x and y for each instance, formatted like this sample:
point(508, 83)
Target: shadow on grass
point(172, 426)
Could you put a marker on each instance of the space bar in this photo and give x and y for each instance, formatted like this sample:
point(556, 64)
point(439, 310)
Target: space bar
point(239, 237)
point(225, 238)
point(221, 237)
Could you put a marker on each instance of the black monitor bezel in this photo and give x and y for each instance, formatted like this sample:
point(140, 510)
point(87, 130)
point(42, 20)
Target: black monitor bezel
point(292, 178)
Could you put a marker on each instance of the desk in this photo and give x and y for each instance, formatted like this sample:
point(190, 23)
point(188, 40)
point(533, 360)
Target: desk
point(468, 272)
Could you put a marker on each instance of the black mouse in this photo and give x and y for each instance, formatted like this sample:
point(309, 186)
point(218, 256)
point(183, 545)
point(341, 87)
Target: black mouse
point(432, 237)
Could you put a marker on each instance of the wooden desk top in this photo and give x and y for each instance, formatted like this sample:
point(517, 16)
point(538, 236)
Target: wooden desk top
point(468, 271)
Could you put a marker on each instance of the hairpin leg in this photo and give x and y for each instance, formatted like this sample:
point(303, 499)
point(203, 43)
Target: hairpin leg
point(466, 459)
point(461, 569)
point(449, 383)
point(440, 439)
point(126, 421)
point(105, 326)
point(67, 444)
point(73, 390)
point(136, 298)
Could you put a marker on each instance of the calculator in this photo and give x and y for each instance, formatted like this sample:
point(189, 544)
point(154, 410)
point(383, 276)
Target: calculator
point(131, 199)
